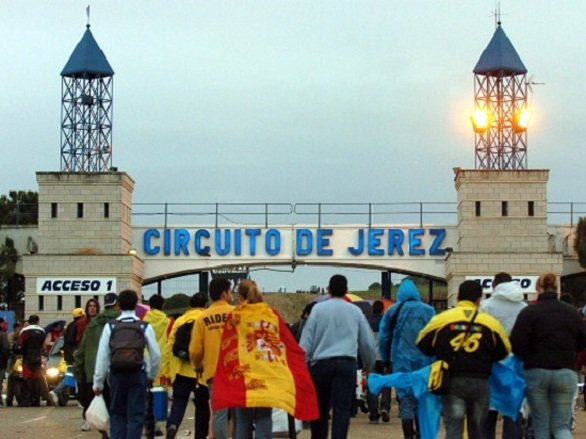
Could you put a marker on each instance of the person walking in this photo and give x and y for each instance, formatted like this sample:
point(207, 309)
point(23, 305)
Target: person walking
point(505, 304)
point(160, 323)
point(69, 346)
point(470, 342)
point(121, 359)
point(4, 355)
point(31, 341)
point(547, 336)
point(260, 367)
point(204, 346)
point(183, 376)
point(398, 332)
point(379, 406)
point(336, 332)
point(84, 358)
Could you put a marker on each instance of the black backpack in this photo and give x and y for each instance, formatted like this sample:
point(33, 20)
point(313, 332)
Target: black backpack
point(182, 340)
point(127, 344)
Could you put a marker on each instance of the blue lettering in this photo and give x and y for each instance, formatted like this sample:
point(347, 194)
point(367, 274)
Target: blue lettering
point(415, 242)
point(357, 251)
point(85, 285)
point(322, 241)
point(238, 242)
point(222, 251)
point(374, 241)
point(301, 236)
point(273, 242)
point(434, 248)
point(181, 241)
point(252, 234)
point(202, 251)
point(146, 242)
point(166, 242)
point(95, 285)
point(396, 238)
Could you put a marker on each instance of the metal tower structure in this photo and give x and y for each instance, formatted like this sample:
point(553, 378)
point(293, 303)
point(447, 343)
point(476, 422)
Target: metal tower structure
point(86, 112)
point(500, 106)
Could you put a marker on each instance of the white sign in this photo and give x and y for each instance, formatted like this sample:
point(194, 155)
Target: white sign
point(76, 285)
point(527, 282)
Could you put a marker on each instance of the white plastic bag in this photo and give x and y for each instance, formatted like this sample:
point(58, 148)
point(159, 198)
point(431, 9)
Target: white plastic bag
point(97, 414)
point(281, 424)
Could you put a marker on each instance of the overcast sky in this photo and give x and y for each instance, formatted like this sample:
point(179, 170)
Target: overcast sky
point(292, 101)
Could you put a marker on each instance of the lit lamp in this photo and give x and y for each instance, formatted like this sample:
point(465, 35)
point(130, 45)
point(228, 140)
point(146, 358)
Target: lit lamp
point(480, 120)
point(132, 252)
point(521, 120)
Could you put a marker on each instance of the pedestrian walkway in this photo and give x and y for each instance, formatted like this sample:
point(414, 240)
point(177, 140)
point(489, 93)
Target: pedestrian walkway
point(65, 422)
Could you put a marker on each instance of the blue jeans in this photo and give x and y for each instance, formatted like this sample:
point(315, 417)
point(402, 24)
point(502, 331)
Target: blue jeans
point(550, 394)
point(128, 395)
point(261, 417)
point(219, 419)
point(467, 398)
point(182, 388)
point(372, 400)
point(335, 384)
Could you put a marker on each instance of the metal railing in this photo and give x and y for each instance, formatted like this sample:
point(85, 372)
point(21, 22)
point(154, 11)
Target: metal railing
point(267, 214)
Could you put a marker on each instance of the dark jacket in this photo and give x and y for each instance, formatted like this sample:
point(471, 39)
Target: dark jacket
point(548, 334)
point(32, 341)
point(485, 343)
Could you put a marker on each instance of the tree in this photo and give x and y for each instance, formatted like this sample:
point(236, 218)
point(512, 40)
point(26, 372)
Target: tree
point(11, 287)
point(374, 286)
point(19, 208)
point(580, 241)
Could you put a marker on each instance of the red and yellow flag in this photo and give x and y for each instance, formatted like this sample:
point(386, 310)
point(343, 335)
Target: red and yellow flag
point(261, 365)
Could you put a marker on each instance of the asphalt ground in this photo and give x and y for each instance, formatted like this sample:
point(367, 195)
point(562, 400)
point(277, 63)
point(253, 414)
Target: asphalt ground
point(65, 422)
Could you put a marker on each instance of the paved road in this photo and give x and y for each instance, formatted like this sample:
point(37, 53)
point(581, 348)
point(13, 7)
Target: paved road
point(65, 422)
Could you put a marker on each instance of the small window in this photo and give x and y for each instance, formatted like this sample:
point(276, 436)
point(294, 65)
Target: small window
point(59, 303)
point(77, 301)
point(106, 210)
point(97, 298)
point(53, 210)
point(505, 208)
point(41, 303)
point(478, 208)
point(80, 210)
point(531, 208)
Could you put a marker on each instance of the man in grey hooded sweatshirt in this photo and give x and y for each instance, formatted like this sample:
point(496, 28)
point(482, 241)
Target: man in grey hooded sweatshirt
point(505, 304)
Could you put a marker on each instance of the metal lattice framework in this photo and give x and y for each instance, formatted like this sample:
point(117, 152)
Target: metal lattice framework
point(502, 145)
point(86, 124)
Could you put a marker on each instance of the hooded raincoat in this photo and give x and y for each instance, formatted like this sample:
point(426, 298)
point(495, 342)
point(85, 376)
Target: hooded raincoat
point(505, 304)
point(160, 324)
point(399, 345)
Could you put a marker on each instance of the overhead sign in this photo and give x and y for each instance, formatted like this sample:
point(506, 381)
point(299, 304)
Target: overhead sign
point(75, 285)
point(352, 242)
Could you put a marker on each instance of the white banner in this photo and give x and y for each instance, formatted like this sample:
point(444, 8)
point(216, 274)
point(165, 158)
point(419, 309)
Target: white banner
point(76, 285)
point(527, 282)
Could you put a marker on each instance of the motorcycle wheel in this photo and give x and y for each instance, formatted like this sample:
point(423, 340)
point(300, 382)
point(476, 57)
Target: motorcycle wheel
point(63, 399)
point(21, 393)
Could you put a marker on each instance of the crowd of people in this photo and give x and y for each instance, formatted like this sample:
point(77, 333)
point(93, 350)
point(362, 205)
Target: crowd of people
point(241, 361)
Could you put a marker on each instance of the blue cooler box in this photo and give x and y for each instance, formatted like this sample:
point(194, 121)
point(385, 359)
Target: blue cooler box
point(69, 380)
point(159, 403)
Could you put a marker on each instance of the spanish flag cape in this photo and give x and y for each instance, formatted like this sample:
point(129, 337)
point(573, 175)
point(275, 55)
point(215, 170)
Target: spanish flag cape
point(261, 365)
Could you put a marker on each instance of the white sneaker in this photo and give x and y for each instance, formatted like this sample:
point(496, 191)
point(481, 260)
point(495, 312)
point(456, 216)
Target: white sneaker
point(54, 397)
point(85, 426)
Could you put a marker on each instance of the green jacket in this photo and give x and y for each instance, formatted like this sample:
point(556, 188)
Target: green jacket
point(85, 356)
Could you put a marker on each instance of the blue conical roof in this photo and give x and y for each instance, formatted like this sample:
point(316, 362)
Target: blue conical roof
point(500, 55)
point(87, 60)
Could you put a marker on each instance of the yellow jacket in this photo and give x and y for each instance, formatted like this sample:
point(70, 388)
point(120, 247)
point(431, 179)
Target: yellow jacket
point(160, 323)
point(207, 336)
point(176, 365)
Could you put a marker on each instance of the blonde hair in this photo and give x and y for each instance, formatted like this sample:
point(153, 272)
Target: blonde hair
point(548, 282)
point(248, 291)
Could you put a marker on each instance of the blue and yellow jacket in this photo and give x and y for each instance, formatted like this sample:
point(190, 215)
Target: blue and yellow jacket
point(485, 343)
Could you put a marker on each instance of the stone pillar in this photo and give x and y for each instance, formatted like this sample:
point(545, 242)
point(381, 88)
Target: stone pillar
point(502, 226)
point(85, 232)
